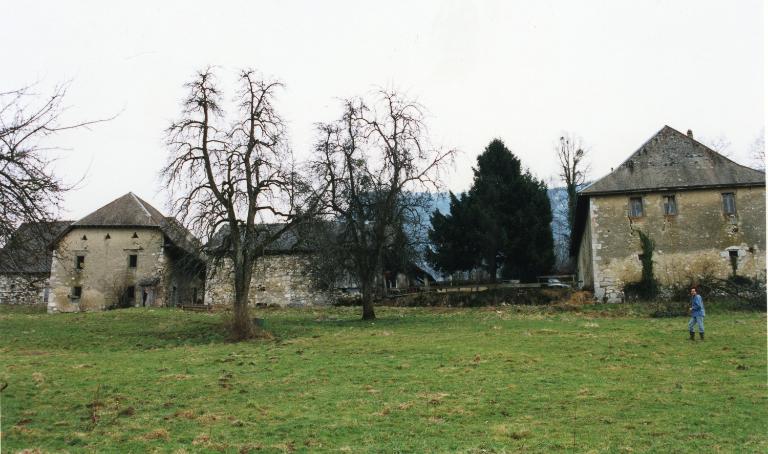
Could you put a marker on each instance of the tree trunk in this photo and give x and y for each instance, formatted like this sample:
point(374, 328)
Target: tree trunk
point(493, 268)
point(242, 326)
point(367, 296)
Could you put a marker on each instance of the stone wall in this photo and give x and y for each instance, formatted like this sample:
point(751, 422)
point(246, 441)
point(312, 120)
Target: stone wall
point(279, 280)
point(23, 288)
point(106, 273)
point(696, 243)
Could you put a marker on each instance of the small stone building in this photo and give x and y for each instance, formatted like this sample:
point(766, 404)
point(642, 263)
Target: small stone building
point(283, 276)
point(124, 254)
point(704, 212)
point(25, 263)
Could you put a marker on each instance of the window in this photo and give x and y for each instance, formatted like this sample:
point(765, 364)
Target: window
point(77, 292)
point(135, 235)
point(635, 207)
point(729, 203)
point(733, 253)
point(107, 237)
point(670, 205)
point(133, 259)
point(84, 238)
point(80, 262)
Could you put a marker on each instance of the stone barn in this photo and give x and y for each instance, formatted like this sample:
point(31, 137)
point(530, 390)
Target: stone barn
point(283, 276)
point(25, 263)
point(704, 212)
point(124, 254)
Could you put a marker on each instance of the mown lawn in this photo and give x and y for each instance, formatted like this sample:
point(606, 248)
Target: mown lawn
point(506, 379)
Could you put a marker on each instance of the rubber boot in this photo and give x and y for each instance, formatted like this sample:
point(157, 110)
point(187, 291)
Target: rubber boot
point(693, 335)
point(701, 335)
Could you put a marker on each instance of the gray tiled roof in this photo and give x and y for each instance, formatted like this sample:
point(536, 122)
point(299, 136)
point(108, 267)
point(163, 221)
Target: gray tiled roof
point(673, 160)
point(128, 210)
point(27, 250)
point(301, 238)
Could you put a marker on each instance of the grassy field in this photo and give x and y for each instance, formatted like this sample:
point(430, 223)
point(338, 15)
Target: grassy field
point(510, 379)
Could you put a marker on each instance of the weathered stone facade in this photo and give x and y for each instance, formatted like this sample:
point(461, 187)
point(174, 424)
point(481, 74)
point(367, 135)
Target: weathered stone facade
point(104, 274)
point(694, 244)
point(704, 213)
point(283, 279)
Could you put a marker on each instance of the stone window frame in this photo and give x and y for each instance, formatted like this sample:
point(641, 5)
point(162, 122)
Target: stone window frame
point(729, 209)
point(664, 205)
point(633, 214)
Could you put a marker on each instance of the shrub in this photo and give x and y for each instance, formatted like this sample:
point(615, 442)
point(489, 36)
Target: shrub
point(647, 288)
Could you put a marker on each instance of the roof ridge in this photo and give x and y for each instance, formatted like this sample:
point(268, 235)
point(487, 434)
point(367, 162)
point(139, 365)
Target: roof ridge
point(140, 204)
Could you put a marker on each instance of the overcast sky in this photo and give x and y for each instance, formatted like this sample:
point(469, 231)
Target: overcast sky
point(613, 72)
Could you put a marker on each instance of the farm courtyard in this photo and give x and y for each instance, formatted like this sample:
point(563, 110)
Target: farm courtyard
point(501, 379)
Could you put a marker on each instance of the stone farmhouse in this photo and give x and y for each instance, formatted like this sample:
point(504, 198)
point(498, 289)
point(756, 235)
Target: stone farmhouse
point(704, 212)
point(124, 254)
point(25, 263)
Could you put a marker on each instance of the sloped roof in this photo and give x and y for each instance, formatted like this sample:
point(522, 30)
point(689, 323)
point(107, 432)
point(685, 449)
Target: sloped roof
point(126, 211)
point(301, 238)
point(27, 250)
point(673, 160)
point(132, 211)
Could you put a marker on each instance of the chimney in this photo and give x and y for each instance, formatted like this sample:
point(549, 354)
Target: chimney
point(690, 134)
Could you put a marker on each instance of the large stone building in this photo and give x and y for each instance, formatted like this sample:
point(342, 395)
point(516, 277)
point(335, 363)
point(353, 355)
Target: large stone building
point(704, 212)
point(25, 263)
point(124, 254)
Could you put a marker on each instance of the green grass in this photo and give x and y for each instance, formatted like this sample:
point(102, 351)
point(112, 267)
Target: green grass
point(511, 379)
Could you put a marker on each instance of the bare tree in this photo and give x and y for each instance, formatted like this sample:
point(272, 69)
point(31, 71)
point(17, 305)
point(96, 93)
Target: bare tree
point(720, 144)
point(29, 191)
point(571, 154)
point(239, 174)
point(372, 161)
point(757, 151)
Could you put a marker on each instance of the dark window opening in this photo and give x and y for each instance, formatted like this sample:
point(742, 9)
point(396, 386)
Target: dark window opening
point(729, 203)
point(134, 235)
point(733, 253)
point(84, 237)
point(77, 292)
point(80, 262)
point(640, 257)
point(635, 207)
point(670, 205)
point(133, 260)
point(194, 295)
point(107, 237)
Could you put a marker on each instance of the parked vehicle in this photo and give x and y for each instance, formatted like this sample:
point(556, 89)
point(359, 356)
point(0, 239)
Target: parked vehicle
point(555, 283)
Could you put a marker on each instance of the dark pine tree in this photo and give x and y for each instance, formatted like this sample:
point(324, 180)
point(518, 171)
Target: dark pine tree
point(501, 225)
point(453, 248)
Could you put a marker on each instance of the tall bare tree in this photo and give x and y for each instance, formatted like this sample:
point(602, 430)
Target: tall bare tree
point(373, 160)
point(757, 151)
point(29, 191)
point(571, 155)
point(238, 173)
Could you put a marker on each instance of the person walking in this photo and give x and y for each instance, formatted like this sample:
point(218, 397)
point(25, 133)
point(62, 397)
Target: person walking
point(697, 314)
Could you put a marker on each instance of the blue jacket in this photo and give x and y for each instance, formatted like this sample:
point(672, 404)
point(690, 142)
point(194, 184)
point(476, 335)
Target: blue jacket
point(697, 306)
